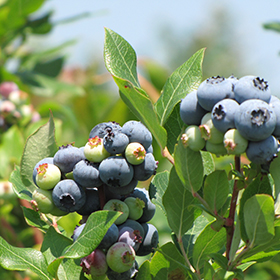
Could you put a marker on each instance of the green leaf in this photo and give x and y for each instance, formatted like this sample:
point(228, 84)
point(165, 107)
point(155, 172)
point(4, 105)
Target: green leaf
point(274, 171)
point(208, 242)
point(259, 219)
point(136, 100)
point(144, 271)
point(178, 201)
point(182, 81)
point(158, 187)
point(34, 220)
point(19, 188)
point(173, 127)
point(96, 227)
point(208, 162)
point(13, 258)
point(274, 25)
point(41, 25)
point(39, 145)
point(260, 185)
point(235, 241)
point(208, 271)
point(120, 57)
point(216, 189)
point(189, 167)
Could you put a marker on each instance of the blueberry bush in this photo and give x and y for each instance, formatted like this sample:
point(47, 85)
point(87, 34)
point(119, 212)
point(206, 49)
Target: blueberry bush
point(222, 220)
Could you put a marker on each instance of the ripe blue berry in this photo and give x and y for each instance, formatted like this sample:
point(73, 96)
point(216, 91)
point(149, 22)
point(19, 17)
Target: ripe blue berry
point(91, 204)
point(66, 158)
point(102, 129)
point(191, 112)
point(131, 237)
point(212, 90)
point(137, 132)
point(275, 105)
point(115, 142)
point(86, 174)
point(109, 238)
point(255, 120)
point(223, 114)
point(136, 226)
point(150, 240)
point(115, 171)
point(146, 169)
point(262, 152)
point(68, 196)
point(123, 190)
point(77, 232)
point(251, 87)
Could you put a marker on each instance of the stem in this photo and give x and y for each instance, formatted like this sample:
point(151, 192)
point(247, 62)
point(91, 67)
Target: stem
point(185, 256)
point(166, 154)
point(102, 196)
point(230, 219)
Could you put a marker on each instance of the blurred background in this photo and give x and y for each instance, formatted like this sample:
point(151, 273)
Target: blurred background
point(53, 51)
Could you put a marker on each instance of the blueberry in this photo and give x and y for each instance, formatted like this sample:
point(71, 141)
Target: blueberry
point(234, 142)
point(66, 158)
point(86, 174)
point(95, 264)
point(276, 108)
point(150, 240)
point(131, 237)
point(135, 153)
point(217, 149)
point(149, 209)
point(77, 232)
point(135, 205)
point(273, 99)
point(262, 152)
point(191, 112)
point(255, 120)
point(223, 114)
point(192, 138)
point(101, 129)
point(68, 196)
point(120, 257)
point(132, 224)
point(115, 171)
point(94, 150)
point(209, 132)
point(92, 203)
point(117, 205)
point(150, 149)
point(48, 175)
point(44, 160)
point(109, 238)
point(127, 275)
point(43, 200)
point(137, 132)
point(123, 190)
point(251, 87)
point(115, 142)
point(212, 90)
point(146, 169)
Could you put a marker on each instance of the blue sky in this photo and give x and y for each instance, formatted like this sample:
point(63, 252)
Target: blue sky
point(139, 22)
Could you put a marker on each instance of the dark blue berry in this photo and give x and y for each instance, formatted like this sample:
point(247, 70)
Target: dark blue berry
point(102, 129)
point(68, 196)
point(86, 174)
point(138, 132)
point(255, 120)
point(127, 275)
point(110, 237)
point(123, 190)
point(92, 203)
point(66, 158)
point(115, 171)
point(131, 237)
point(223, 114)
point(115, 142)
point(132, 224)
point(77, 232)
point(191, 112)
point(146, 169)
point(251, 87)
point(213, 90)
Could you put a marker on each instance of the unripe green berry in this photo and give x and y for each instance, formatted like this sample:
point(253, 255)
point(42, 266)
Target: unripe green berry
point(192, 138)
point(120, 257)
point(234, 142)
point(48, 175)
point(217, 149)
point(135, 206)
point(118, 205)
point(42, 199)
point(94, 150)
point(135, 153)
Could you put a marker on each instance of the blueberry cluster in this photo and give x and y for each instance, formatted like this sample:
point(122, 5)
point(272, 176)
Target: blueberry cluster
point(15, 106)
point(113, 160)
point(233, 116)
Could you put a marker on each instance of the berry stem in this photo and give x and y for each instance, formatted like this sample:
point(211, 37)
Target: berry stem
point(102, 197)
point(166, 154)
point(230, 219)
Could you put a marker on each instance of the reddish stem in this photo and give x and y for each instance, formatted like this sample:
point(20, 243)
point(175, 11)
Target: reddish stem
point(102, 196)
point(230, 219)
